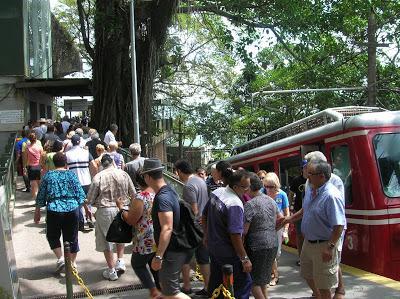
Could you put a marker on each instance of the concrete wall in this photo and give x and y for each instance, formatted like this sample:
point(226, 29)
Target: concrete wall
point(15, 104)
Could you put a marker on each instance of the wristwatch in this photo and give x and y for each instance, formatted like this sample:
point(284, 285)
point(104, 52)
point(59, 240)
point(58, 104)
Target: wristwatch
point(158, 257)
point(245, 259)
point(331, 245)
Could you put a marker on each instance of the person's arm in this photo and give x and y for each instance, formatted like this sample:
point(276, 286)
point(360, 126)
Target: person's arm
point(135, 212)
point(327, 253)
point(195, 208)
point(246, 228)
point(237, 243)
point(166, 222)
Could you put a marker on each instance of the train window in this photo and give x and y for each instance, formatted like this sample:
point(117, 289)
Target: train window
point(388, 156)
point(289, 168)
point(342, 168)
point(249, 168)
point(267, 166)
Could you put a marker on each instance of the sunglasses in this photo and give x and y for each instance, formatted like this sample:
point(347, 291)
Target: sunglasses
point(261, 177)
point(270, 187)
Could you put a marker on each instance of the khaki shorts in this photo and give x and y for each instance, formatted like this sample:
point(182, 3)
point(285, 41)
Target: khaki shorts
point(325, 275)
point(104, 217)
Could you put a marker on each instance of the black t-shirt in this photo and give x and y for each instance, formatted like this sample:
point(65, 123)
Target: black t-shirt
point(92, 146)
point(166, 200)
point(297, 187)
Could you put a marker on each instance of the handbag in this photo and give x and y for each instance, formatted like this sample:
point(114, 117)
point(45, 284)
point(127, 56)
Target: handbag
point(119, 231)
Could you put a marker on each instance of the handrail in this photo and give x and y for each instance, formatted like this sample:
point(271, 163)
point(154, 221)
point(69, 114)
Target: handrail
point(169, 177)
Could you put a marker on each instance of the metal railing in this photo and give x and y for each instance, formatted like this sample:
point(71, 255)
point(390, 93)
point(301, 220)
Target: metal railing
point(169, 177)
point(8, 274)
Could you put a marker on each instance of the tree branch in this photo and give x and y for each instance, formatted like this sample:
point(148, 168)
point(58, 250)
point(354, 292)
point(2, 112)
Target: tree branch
point(82, 20)
point(239, 19)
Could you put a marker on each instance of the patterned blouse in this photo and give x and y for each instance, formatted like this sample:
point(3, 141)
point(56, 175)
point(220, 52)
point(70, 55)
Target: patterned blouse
point(61, 191)
point(143, 235)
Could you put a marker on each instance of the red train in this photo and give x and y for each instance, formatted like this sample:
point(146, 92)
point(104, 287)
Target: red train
point(363, 146)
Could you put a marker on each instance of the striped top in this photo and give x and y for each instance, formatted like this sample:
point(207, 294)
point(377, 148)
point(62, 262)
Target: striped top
point(78, 160)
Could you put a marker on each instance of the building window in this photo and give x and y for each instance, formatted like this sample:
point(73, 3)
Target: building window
point(42, 110)
point(49, 113)
point(33, 111)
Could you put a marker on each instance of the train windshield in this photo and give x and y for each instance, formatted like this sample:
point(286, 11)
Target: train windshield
point(388, 156)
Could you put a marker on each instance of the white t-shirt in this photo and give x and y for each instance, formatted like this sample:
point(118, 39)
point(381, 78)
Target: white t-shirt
point(78, 160)
point(109, 137)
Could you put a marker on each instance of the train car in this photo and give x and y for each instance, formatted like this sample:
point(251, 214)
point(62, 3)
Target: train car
point(363, 146)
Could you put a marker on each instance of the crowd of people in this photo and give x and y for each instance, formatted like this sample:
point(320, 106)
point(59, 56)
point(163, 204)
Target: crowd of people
point(84, 181)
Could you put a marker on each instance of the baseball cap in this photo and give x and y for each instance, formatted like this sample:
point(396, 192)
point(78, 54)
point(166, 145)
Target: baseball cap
point(75, 139)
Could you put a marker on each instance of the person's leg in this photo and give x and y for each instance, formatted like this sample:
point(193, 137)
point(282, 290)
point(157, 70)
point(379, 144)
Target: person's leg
point(325, 293)
point(264, 290)
point(215, 274)
point(139, 262)
point(120, 264)
point(53, 234)
point(110, 259)
point(307, 267)
point(187, 286)
point(70, 232)
point(170, 272)
point(242, 280)
point(340, 290)
point(257, 292)
point(203, 260)
point(34, 188)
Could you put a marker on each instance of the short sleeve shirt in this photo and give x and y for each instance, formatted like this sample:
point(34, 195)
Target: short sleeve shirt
point(281, 200)
point(166, 200)
point(322, 212)
point(225, 216)
point(143, 237)
point(261, 212)
point(60, 191)
point(195, 191)
point(109, 137)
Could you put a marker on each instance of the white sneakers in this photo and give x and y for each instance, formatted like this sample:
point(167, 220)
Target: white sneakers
point(110, 274)
point(60, 264)
point(120, 266)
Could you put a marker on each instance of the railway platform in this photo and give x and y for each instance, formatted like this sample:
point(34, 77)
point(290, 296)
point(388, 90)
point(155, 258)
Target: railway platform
point(36, 263)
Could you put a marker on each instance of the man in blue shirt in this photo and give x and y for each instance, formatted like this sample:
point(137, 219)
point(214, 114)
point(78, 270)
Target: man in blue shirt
point(322, 225)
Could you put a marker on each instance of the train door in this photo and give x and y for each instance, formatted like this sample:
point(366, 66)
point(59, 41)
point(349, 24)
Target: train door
point(387, 154)
point(289, 168)
point(355, 245)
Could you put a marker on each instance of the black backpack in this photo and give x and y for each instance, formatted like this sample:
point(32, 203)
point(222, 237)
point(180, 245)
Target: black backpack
point(189, 233)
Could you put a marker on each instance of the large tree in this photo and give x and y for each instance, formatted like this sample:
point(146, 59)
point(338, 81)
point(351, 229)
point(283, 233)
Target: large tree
point(111, 64)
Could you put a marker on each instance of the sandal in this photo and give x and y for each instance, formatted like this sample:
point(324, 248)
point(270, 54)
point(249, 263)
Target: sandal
point(274, 281)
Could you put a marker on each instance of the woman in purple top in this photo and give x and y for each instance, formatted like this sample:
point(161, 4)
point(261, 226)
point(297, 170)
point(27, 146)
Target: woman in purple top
point(272, 185)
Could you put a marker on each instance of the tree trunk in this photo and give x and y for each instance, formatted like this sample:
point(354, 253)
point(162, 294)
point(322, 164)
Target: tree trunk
point(112, 88)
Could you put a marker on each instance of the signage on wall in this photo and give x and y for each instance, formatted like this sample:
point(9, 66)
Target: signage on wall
point(11, 116)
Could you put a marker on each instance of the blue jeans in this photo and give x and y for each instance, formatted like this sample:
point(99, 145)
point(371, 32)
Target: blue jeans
point(241, 280)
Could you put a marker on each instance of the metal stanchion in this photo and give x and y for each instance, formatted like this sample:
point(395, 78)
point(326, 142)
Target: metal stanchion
point(68, 270)
point(227, 279)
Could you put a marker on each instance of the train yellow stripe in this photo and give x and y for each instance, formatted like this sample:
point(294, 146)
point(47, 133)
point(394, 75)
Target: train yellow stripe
point(378, 279)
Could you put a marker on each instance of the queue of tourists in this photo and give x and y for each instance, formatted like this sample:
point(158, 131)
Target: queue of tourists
point(83, 182)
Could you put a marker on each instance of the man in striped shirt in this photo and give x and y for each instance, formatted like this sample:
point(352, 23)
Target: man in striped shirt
point(81, 162)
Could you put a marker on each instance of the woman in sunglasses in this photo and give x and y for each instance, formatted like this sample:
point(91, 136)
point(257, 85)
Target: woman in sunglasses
point(272, 186)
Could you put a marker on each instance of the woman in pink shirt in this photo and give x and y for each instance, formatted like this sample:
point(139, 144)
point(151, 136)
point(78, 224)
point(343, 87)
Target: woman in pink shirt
point(31, 153)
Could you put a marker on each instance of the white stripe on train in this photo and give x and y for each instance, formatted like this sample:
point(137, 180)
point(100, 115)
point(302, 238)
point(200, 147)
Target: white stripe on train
point(373, 212)
point(373, 222)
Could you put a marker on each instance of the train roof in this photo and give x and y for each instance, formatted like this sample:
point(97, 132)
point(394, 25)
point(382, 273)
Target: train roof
point(324, 122)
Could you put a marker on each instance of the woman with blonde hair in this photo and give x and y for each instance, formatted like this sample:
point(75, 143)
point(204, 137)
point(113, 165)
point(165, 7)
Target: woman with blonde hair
point(272, 186)
point(100, 151)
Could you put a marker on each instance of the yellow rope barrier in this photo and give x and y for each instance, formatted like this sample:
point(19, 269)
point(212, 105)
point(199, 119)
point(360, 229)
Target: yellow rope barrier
point(224, 291)
point(80, 282)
